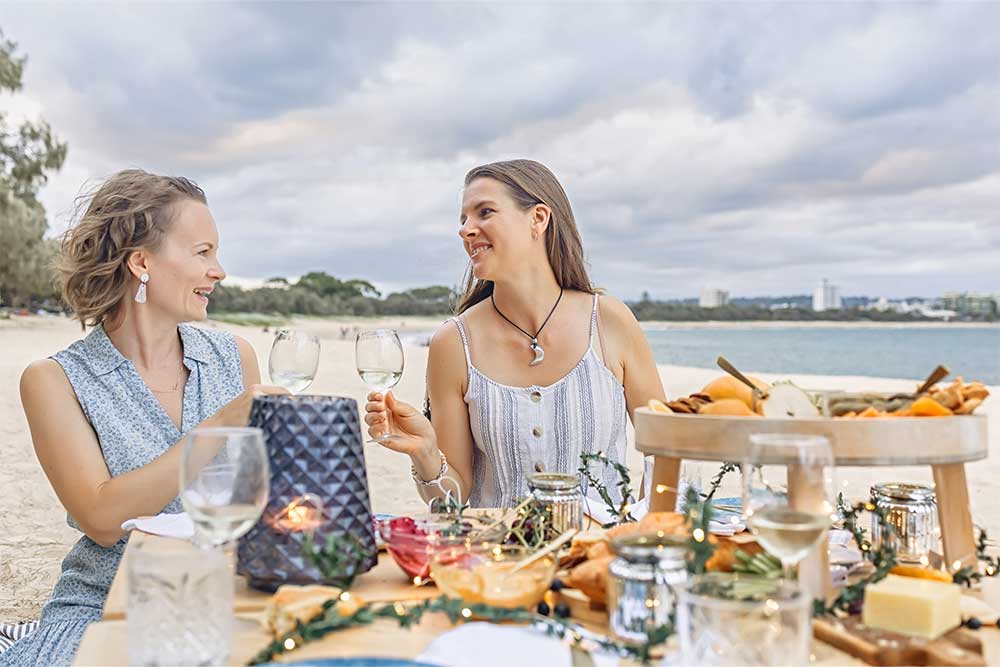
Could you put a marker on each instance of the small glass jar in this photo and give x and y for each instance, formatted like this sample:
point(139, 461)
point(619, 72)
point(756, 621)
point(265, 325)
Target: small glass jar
point(559, 493)
point(912, 511)
point(730, 619)
point(641, 583)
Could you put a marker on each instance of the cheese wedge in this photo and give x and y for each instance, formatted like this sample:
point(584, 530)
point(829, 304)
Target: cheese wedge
point(916, 607)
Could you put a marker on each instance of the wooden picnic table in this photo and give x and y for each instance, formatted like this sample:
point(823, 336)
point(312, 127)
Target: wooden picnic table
point(105, 642)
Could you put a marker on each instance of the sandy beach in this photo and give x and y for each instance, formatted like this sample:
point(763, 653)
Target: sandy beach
point(34, 535)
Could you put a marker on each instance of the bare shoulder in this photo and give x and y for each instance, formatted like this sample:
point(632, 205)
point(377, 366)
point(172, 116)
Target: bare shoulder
point(44, 383)
point(446, 358)
point(43, 374)
point(445, 342)
point(616, 316)
point(245, 348)
point(248, 361)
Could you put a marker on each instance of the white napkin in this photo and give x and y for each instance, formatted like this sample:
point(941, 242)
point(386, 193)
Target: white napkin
point(841, 537)
point(728, 527)
point(168, 525)
point(595, 508)
point(488, 645)
point(842, 549)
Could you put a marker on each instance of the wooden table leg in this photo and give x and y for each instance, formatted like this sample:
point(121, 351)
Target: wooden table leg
point(806, 493)
point(954, 517)
point(666, 477)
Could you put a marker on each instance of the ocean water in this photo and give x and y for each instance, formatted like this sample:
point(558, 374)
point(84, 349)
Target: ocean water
point(881, 351)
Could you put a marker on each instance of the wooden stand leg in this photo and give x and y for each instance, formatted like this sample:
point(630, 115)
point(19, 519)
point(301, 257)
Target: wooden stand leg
point(954, 517)
point(666, 477)
point(806, 493)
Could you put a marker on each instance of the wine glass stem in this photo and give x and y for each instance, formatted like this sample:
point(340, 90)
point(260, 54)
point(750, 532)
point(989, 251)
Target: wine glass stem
point(388, 423)
point(788, 569)
point(229, 551)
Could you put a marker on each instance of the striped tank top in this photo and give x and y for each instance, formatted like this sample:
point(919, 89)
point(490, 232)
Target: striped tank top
point(518, 431)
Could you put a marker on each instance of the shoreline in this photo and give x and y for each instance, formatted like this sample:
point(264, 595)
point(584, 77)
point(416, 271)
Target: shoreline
point(659, 325)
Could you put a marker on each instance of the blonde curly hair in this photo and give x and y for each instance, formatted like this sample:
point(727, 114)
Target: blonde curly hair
point(131, 210)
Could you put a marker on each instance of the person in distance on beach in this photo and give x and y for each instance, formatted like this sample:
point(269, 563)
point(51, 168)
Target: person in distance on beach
point(536, 367)
point(107, 413)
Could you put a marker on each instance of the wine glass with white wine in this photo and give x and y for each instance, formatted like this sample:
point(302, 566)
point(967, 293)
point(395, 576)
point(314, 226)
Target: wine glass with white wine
point(293, 360)
point(788, 491)
point(379, 356)
point(224, 482)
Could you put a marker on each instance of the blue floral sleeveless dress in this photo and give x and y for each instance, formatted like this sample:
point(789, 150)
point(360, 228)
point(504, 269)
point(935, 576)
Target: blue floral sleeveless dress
point(133, 430)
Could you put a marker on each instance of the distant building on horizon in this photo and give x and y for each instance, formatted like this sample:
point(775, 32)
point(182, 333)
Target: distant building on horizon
point(826, 297)
point(971, 303)
point(713, 298)
point(924, 307)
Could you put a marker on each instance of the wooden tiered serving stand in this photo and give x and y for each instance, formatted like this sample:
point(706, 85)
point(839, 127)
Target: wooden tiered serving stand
point(945, 444)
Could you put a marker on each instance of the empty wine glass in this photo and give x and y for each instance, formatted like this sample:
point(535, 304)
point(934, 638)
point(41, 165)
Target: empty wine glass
point(224, 482)
point(293, 360)
point(788, 493)
point(379, 356)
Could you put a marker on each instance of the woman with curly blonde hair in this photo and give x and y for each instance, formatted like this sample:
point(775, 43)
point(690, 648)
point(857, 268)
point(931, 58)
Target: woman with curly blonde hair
point(107, 413)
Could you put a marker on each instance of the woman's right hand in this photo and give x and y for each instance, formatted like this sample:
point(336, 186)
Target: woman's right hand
point(414, 433)
point(237, 411)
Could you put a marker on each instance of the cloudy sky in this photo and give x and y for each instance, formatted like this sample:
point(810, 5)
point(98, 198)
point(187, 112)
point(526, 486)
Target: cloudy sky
point(751, 147)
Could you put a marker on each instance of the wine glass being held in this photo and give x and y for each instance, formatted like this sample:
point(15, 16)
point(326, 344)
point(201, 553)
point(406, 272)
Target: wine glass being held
point(379, 357)
point(412, 431)
point(294, 359)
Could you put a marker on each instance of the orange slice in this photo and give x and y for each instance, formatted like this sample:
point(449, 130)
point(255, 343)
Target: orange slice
point(920, 572)
point(925, 406)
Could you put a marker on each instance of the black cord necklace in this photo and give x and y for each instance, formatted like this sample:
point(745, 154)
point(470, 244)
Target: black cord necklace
point(535, 347)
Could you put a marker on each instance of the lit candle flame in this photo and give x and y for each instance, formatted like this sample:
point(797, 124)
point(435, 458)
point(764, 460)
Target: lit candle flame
point(303, 514)
point(298, 515)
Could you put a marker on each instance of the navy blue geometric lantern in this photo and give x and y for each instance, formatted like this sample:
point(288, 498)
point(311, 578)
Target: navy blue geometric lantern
point(315, 449)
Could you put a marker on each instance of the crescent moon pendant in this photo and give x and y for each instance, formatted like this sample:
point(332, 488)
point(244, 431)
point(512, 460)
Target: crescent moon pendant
point(539, 354)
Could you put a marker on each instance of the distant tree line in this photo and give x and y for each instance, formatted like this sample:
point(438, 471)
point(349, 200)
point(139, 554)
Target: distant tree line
point(318, 293)
point(691, 312)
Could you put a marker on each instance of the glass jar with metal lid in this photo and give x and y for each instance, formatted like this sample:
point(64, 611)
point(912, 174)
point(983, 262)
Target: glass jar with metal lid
point(559, 493)
point(640, 583)
point(912, 511)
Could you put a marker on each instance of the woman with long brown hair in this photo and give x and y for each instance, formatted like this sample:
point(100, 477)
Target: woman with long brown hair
point(107, 413)
point(536, 368)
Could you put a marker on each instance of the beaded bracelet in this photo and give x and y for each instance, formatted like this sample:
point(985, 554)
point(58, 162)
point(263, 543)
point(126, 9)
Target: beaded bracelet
point(431, 482)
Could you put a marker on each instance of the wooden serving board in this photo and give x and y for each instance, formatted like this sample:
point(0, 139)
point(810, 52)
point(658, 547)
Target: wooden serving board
point(591, 615)
point(879, 647)
point(885, 441)
point(944, 443)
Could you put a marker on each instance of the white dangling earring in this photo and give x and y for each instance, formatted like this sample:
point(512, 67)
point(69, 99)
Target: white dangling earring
point(140, 296)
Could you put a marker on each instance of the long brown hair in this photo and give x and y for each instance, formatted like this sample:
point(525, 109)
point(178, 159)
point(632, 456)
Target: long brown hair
point(132, 209)
point(531, 183)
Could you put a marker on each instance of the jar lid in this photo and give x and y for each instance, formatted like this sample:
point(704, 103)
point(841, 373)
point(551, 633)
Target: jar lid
point(554, 481)
point(903, 491)
point(651, 547)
